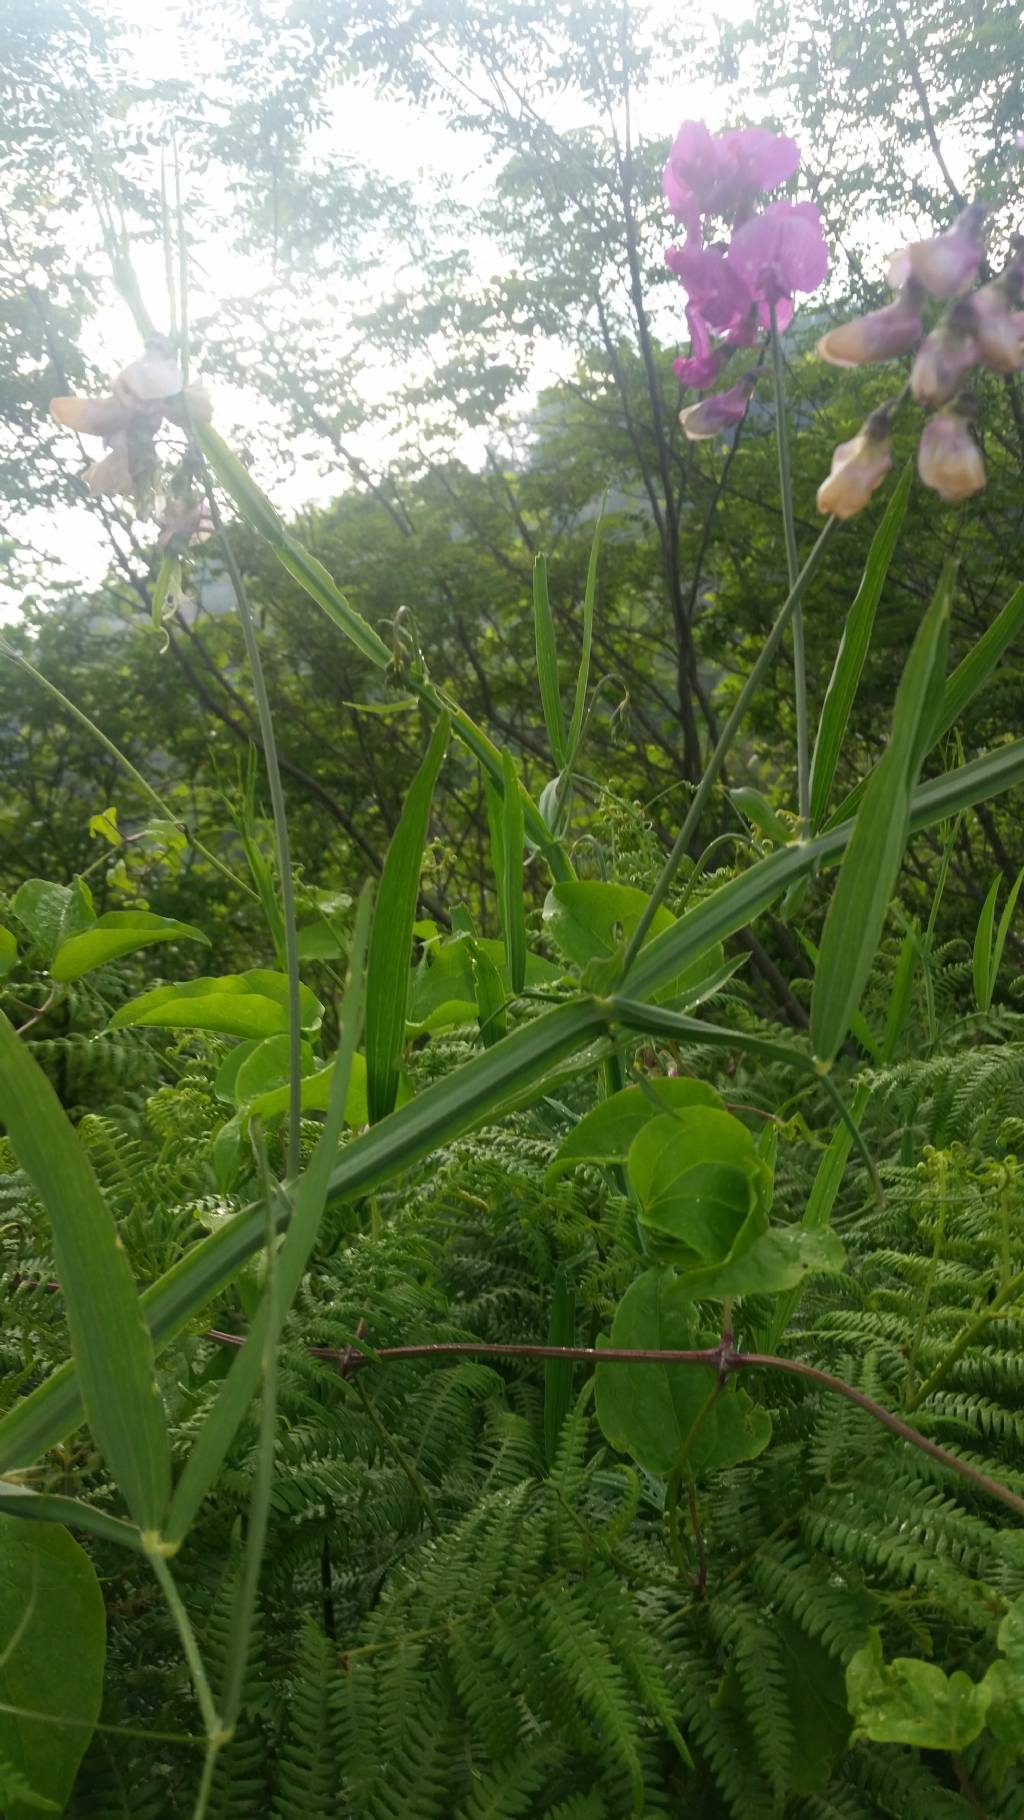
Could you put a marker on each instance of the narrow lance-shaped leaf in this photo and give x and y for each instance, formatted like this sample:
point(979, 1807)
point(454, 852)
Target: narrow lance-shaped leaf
point(966, 681)
point(583, 676)
point(547, 662)
point(387, 991)
point(982, 956)
point(853, 650)
point(112, 1346)
point(475, 1091)
point(861, 897)
point(513, 908)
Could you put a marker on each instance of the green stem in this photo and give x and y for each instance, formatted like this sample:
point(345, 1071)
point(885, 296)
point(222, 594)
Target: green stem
point(718, 756)
point(964, 1339)
point(675, 1539)
point(136, 776)
point(263, 1484)
point(803, 746)
point(183, 1625)
point(284, 855)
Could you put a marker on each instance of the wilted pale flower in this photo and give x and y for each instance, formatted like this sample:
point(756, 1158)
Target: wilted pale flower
point(948, 458)
point(944, 357)
point(947, 263)
point(91, 416)
point(780, 252)
point(858, 467)
point(719, 412)
point(882, 335)
point(192, 408)
point(116, 472)
point(155, 376)
point(184, 522)
point(995, 324)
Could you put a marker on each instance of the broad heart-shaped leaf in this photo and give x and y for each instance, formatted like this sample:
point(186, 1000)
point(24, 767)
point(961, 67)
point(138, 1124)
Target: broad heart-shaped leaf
point(444, 987)
point(781, 1258)
point(236, 1004)
point(315, 1093)
point(589, 920)
point(649, 1411)
point(117, 932)
point(51, 913)
point(910, 1702)
point(8, 952)
point(700, 1183)
point(604, 1135)
point(52, 1649)
point(266, 1065)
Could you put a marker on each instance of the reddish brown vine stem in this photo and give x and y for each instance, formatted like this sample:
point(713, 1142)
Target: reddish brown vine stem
point(722, 1359)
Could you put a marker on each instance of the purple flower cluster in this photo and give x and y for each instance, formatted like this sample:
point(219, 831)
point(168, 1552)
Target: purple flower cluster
point(735, 284)
point(977, 328)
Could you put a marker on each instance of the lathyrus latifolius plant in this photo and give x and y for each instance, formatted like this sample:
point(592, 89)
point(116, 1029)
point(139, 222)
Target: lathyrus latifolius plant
point(535, 1431)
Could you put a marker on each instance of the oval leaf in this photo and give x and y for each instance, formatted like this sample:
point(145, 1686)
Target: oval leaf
point(117, 932)
point(253, 1004)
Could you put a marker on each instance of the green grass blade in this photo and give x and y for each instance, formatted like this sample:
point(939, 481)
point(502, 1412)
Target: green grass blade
point(513, 905)
point(109, 1337)
point(860, 901)
point(387, 992)
point(981, 959)
point(899, 998)
point(853, 649)
point(240, 1385)
point(583, 675)
point(1004, 927)
point(547, 663)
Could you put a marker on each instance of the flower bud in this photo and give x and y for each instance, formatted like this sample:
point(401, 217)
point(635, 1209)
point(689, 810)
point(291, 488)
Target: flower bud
point(90, 416)
point(995, 324)
point(882, 335)
point(948, 458)
point(719, 412)
point(944, 357)
point(858, 467)
point(946, 264)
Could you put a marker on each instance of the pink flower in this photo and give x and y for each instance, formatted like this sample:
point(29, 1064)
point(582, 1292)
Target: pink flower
point(704, 362)
point(780, 252)
point(946, 264)
point(996, 325)
point(713, 285)
point(858, 468)
point(882, 335)
point(719, 176)
point(719, 412)
point(943, 358)
point(948, 458)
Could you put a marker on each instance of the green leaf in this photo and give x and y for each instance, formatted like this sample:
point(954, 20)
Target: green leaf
point(491, 997)
point(589, 920)
point(860, 901)
point(760, 814)
point(510, 881)
point(105, 825)
point(168, 581)
point(260, 1067)
point(387, 988)
point(252, 1004)
point(778, 1262)
point(912, 1702)
point(604, 1135)
point(444, 986)
point(547, 663)
point(853, 650)
point(652, 1411)
point(18, 1500)
point(111, 1344)
point(117, 932)
point(53, 1632)
point(583, 675)
point(52, 913)
point(984, 979)
point(8, 952)
point(1004, 929)
point(698, 1179)
point(315, 1094)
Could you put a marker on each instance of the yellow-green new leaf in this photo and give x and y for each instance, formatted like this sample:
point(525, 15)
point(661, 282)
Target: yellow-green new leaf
point(118, 932)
